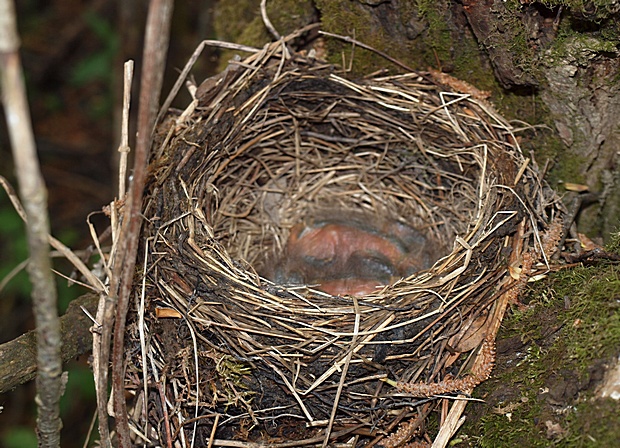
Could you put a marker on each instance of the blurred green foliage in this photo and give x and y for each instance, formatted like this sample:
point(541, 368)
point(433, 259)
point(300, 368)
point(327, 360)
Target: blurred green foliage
point(78, 400)
point(19, 437)
point(68, 76)
point(14, 248)
point(15, 251)
point(14, 303)
point(98, 65)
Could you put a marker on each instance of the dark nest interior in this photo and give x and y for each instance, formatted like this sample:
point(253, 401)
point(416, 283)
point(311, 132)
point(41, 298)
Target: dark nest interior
point(234, 343)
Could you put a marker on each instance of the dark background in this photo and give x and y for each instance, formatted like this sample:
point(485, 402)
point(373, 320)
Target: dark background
point(72, 54)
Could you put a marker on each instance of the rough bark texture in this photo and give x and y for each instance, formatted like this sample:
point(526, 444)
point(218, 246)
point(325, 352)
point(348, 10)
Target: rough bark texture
point(583, 96)
point(553, 63)
point(18, 358)
point(569, 54)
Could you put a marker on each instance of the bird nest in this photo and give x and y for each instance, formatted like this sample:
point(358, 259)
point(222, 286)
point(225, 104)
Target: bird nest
point(237, 352)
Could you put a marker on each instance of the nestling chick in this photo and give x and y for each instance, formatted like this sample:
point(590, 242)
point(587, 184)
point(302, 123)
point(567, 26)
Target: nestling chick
point(351, 257)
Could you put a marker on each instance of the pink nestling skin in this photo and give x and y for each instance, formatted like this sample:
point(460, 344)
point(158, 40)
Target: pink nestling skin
point(337, 242)
point(346, 259)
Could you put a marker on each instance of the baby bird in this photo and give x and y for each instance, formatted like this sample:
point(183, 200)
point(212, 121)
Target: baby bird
point(351, 257)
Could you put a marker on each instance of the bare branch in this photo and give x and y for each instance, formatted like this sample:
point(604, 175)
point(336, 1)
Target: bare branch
point(155, 50)
point(18, 357)
point(34, 198)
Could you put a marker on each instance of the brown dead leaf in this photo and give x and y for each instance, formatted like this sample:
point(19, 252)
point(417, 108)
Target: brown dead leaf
point(554, 430)
point(586, 243)
point(471, 334)
point(162, 313)
point(579, 188)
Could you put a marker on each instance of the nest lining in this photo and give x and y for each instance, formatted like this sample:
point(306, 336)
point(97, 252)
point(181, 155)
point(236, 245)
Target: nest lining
point(278, 143)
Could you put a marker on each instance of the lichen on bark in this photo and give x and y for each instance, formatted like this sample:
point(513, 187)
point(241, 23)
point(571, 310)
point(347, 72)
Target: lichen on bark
point(552, 63)
point(583, 96)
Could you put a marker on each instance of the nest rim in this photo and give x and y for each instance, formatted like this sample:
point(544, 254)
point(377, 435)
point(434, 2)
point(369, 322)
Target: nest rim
point(448, 285)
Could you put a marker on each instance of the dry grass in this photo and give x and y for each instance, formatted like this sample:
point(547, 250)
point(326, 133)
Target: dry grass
point(281, 139)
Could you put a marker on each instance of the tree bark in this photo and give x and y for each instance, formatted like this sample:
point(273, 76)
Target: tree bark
point(18, 360)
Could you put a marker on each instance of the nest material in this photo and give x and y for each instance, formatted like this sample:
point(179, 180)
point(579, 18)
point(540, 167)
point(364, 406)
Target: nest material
point(280, 139)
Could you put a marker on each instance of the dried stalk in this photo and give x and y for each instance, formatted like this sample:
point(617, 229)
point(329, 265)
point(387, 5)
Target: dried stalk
point(278, 139)
point(155, 50)
point(124, 148)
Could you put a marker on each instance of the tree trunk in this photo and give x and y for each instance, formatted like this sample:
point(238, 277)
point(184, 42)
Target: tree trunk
point(554, 65)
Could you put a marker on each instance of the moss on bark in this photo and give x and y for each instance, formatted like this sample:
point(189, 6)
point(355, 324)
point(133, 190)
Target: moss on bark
point(551, 360)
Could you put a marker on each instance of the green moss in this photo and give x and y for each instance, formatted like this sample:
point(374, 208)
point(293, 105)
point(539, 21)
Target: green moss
point(614, 242)
point(289, 15)
point(512, 31)
point(517, 430)
point(577, 48)
point(563, 169)
point(469, 66)
point(240, 21)
point(593, 320)
point(233, 376)
point(571, 325)
point(584, 302)
point(233, 16)
point(439, 37)
point(542, 143)
point(593, 425)
point(286, 16)
point(424, 36)
point(610, 32)
point(349, 18)
point(590, 9)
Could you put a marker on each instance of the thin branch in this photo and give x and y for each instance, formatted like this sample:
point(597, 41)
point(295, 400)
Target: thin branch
point(18, 357)
point(34, 198)
point(343, 375)
point(92, 279)
point(267, 22)
point(384, 55)
point(155, 50)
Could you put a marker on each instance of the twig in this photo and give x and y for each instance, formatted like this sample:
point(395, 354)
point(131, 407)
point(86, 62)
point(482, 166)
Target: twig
point(213, 429)
point(343, 375)
point(593, 255)
point(124, 145)
point(454, 420)
point(93, 280)
point(90, 431)
point(164, 408)
point(480, 372)
point(34, 197)
point(350, 40)
point(190, 63)
point(267, 22)
point(292, 444)
point(101, 339)
point(155, 50)
point(142, 332)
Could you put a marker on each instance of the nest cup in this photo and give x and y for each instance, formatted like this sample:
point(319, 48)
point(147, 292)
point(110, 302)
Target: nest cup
point(281, 139)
